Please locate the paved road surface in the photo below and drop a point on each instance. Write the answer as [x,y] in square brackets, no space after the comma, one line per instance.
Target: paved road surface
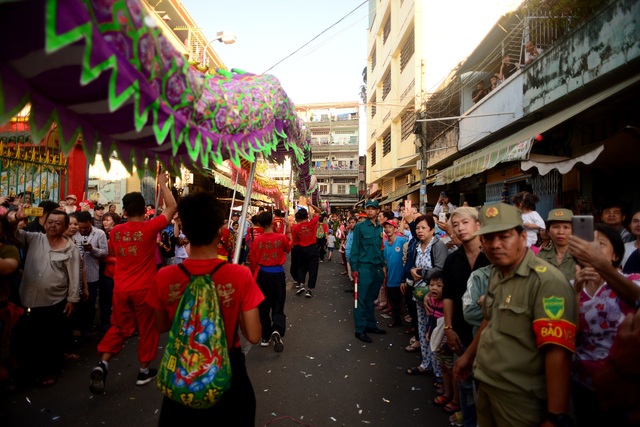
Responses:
[324,377]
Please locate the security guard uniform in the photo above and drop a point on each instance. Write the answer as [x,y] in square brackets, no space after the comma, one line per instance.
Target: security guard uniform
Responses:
[568,264]
[531,307]
[367,258]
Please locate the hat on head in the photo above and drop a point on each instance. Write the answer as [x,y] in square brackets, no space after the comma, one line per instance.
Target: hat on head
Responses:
[71,196]
[391,222]
[362,215]
[498,217]
[98,208]
[372,203]
[560,215]
[234,214]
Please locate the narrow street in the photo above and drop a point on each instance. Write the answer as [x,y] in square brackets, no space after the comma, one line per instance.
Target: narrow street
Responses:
[324,377]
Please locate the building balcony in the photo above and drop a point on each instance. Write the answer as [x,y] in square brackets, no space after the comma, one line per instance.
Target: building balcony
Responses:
[334,148]
[573,71]
[337,172]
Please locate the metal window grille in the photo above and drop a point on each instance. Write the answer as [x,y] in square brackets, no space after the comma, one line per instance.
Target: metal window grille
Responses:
[407,50]
[386,144]
[386,30]
[408,122]
[373,58]
[373,156]
[386,85]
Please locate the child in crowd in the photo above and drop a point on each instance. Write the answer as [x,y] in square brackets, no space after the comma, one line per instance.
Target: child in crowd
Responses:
[331,243]
[239,297]
[443,355]
[269,251]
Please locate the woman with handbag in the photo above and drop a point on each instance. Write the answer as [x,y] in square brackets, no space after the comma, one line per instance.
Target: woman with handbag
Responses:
[426,253]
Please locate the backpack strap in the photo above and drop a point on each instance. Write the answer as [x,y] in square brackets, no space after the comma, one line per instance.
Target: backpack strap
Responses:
[216,268]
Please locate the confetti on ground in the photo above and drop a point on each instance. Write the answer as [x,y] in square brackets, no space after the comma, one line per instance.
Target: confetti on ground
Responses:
[359,411]
[55,418]
[415,388]
[416,409]
[29,401]
[269,371]
[311,357]
[366,422]
[372,364]
[385,400]
[357,405]
[333,419]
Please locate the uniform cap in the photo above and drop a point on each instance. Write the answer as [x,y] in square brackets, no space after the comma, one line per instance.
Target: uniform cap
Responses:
[498,217]
[71,196]
[372,203]
[560,215]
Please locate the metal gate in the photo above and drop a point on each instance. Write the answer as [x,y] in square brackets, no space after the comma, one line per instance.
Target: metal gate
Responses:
[37,169]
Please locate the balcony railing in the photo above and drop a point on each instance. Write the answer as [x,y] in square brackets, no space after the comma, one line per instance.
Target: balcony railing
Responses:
[337,172]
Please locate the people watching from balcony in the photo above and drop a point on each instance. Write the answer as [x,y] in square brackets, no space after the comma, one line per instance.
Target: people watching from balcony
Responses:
[480,92]
[531,52]
[507,68]
[495,81]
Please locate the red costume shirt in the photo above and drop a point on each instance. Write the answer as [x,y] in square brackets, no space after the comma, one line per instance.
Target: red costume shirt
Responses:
[134,246]
[237,291]
[278,225]
[270,249]
[305,232]
[224,249]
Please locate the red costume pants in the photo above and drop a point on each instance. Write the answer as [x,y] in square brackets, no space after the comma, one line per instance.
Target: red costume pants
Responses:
[131,312]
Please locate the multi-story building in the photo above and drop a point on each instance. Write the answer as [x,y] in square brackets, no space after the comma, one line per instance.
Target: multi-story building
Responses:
[565,124]
[335,158]
[394,88]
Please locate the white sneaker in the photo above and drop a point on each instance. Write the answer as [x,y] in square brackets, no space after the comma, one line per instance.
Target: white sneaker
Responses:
[264,342]
[278,346]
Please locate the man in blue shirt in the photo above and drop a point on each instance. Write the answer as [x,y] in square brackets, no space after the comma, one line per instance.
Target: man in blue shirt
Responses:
[393,254]
[367,268]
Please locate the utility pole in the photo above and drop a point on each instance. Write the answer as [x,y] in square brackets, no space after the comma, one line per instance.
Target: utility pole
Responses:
[420,129]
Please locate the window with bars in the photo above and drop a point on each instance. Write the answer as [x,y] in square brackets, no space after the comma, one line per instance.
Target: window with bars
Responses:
[324,188]
[386,30]
[342,189]
[386,144]
[407,50]
[373,105]
[373,58]
[408,123]
[373,156]
[386,85]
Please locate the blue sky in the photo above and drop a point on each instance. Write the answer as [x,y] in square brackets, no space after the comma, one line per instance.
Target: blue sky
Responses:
[329,69]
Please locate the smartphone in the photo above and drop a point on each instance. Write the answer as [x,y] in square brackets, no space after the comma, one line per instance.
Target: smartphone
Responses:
[407,206]
[583,227]
[442,217]
[33,211]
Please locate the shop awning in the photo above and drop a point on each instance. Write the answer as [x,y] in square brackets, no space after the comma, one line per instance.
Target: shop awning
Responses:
[506,150]
[400,193]
[517,146]
[605,156]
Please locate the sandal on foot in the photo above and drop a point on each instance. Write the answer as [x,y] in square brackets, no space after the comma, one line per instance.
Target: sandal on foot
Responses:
[416,371]
[48,381]
[438,382]
[441,400]
[451,408]
[411,348]
[440,391]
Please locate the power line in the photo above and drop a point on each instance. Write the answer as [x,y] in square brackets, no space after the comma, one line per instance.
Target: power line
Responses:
[321,33]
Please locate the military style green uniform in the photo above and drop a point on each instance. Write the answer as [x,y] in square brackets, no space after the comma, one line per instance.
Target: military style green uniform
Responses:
[367,258]
[568,265]
[531,307]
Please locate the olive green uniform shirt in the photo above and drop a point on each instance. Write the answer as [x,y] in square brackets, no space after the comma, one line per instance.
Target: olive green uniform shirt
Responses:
[367,249]
[566,267]
[533,306]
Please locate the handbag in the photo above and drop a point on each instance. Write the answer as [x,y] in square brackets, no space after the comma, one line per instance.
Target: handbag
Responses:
[437,334]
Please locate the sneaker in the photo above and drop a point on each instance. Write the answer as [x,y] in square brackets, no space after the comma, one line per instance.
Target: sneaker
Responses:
[300,291]
[264,342]
[321,261]
[308,294]
[146,378]
[278,346]
[298,285]
[98,377]
[456,419]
